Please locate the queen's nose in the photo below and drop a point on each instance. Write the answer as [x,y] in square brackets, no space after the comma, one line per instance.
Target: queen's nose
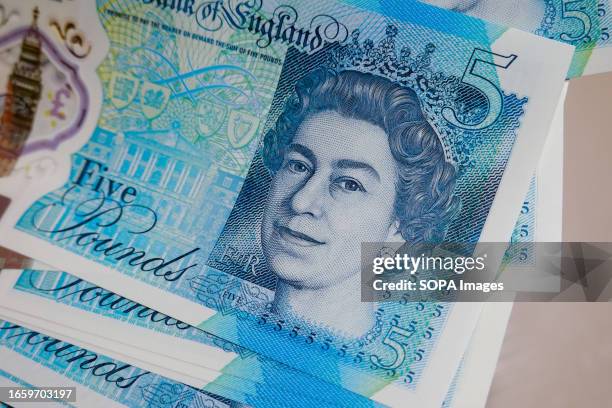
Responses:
[308,198]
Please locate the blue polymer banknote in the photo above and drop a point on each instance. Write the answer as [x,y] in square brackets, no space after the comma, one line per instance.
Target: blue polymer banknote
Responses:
[245,150]
[36,298]
[31,359]
[586,24]
[526,264]
[35,295]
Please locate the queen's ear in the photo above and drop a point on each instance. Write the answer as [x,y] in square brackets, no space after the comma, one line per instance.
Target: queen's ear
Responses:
[394,234]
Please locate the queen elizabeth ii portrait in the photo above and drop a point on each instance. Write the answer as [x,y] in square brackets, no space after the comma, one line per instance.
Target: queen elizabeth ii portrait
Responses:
[352,160]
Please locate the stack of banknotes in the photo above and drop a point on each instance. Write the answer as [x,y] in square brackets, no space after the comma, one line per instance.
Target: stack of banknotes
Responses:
[185,186]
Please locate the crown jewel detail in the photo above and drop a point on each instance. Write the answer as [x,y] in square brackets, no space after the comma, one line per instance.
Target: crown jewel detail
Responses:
[435,90]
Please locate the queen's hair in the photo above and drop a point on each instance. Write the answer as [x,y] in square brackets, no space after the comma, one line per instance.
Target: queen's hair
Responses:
[424,203]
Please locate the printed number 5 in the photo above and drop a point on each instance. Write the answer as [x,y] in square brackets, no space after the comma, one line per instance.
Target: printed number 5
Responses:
[486,86]
[398,348]
[575,14]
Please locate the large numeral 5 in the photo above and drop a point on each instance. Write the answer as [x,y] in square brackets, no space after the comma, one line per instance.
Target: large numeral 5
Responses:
[398,348]
[477,80]
[578,15]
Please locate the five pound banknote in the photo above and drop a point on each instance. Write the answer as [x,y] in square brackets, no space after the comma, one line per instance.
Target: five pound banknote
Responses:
[586,24]
[244,151]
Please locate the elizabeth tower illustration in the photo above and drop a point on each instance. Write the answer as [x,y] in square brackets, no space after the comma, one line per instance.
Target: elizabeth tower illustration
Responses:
[23,91]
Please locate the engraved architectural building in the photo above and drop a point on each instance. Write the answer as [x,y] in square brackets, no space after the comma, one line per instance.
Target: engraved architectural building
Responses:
[24,88]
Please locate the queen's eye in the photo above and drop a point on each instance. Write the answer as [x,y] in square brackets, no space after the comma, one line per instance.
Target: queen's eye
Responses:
[351,185]
[297,166]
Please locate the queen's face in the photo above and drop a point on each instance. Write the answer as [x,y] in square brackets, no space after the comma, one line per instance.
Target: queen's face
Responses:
[334,190]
